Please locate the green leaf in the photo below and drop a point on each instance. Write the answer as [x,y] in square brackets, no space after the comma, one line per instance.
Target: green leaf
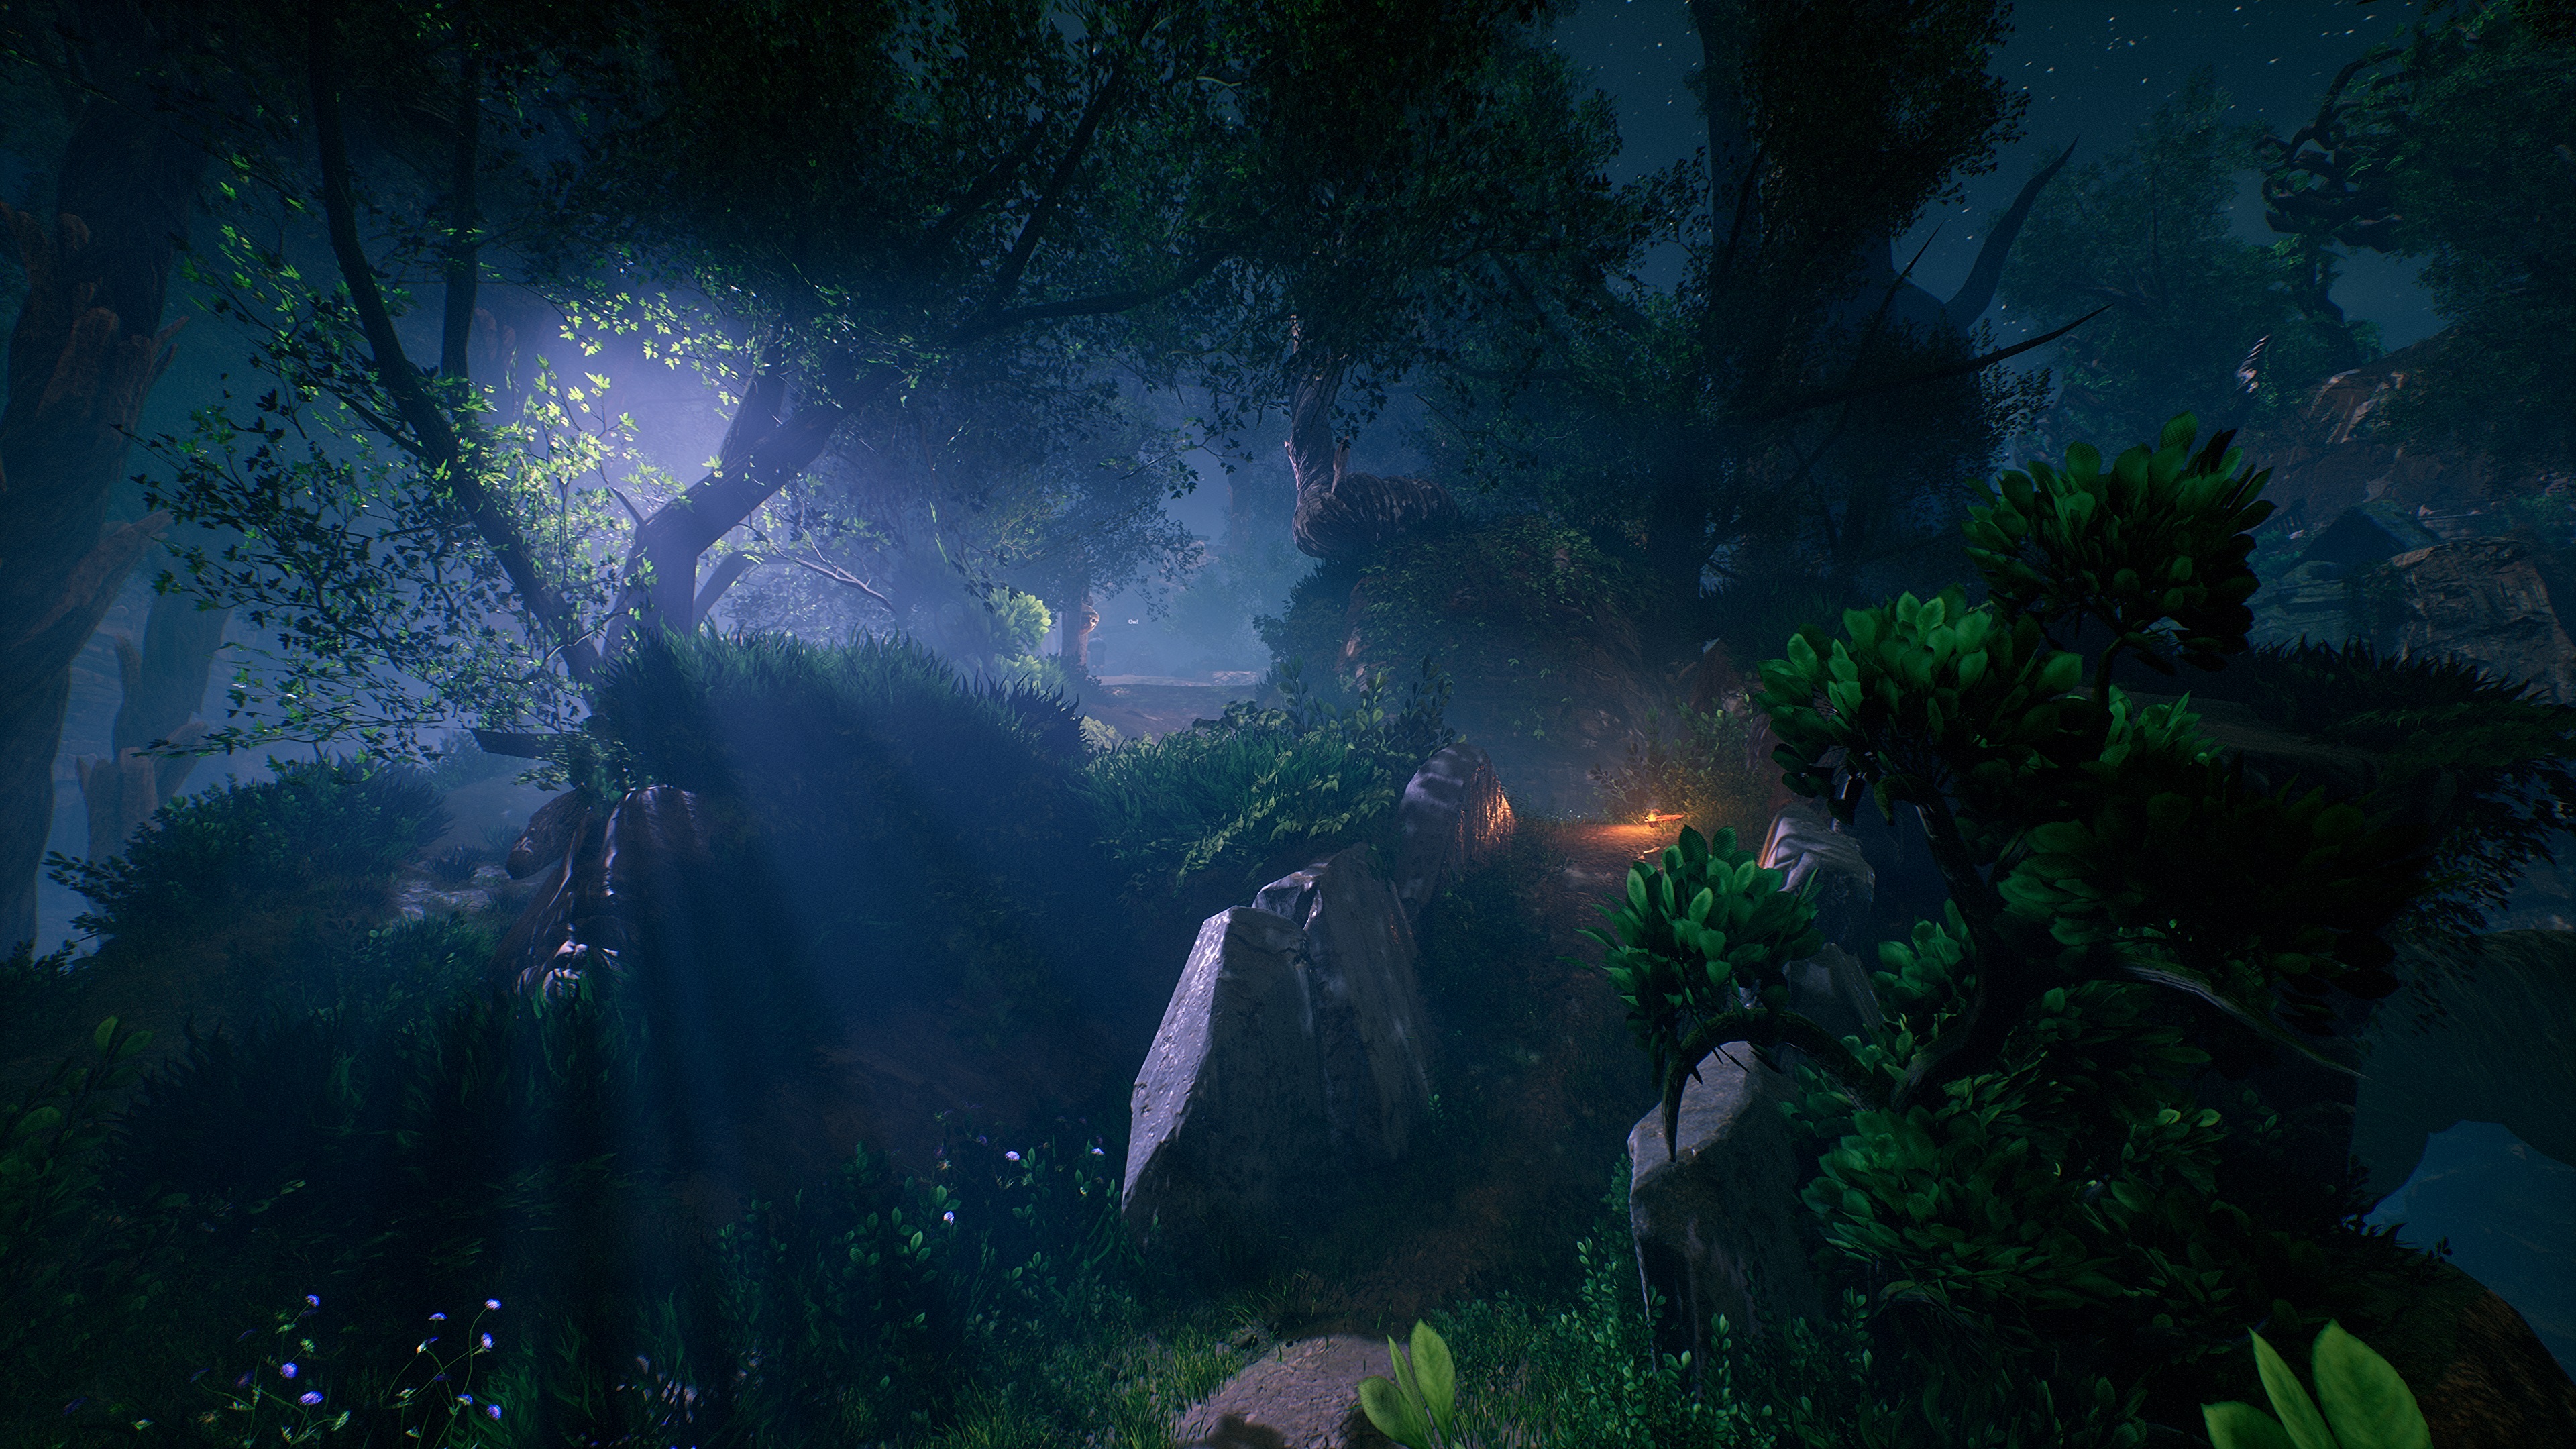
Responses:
[2179,432]
[2299,1417]
[1393,1413]
[106,1032]
[2368,1404]
[2242,1426]
[1436,1374]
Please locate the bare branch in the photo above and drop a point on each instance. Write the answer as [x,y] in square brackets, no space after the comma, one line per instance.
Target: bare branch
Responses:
[1955,369]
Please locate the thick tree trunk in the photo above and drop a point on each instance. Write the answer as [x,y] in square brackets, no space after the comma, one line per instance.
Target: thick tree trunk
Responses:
[1079,622]
[78,375]
[164,681]
[81,358]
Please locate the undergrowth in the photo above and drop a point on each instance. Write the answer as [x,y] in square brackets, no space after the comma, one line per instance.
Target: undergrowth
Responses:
[222,852]
[1705,769]
[1228,795]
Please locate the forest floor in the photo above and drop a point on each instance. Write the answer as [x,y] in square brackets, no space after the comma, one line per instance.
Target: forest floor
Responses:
[1539,1085]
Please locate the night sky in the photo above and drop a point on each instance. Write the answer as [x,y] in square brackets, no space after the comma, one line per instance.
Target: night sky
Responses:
[2094,72]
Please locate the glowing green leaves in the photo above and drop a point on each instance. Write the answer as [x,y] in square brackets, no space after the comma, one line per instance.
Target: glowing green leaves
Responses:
[2366,1405]
[2155,549]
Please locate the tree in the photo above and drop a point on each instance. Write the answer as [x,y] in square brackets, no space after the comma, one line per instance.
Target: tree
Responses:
[2228,328]
[2452,145]
[1719,429]
[2020,1149]
[87,347]
[1041,205]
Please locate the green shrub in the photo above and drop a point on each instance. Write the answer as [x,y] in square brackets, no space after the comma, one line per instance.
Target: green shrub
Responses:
[879,821]
[1534,622]
[1231,794]
[222,853]
[1705,770]
[2018,1167]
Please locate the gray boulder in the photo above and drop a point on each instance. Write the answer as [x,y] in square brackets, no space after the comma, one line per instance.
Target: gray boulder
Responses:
[1292,1053]
[1227,1124]
[1831,988]
[1302,1395]
[1368,1022]
[1453,817]
[1718,1225]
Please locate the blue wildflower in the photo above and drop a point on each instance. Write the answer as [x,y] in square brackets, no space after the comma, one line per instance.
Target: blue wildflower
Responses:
[494,1410]
[1011,1156]
[308,1398]
[492,1303]
[438,1318]
[286,1370]
[487,1340]
[312,1302]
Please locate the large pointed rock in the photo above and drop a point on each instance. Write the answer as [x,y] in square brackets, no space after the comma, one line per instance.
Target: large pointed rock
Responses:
[1293,1055]
[1227,1131]
[1369,1023]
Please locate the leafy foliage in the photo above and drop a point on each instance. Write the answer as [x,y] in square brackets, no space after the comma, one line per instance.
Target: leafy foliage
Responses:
[2491,753]
[2365,1404]
[57,1253]
[1705,771]
[1418,1408]
[1534,623]
[2161,537]
[2447,145]
[224,850]
[1697,936]
[2022,1149]
[2146,230]
[1232,793]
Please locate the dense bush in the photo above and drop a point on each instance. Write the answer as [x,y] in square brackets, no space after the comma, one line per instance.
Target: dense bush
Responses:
[222,852]
[417,1145]
[1705,769]
[1535,624]
[1231,794]
[878,819]
[2022,1169]
[2488,758]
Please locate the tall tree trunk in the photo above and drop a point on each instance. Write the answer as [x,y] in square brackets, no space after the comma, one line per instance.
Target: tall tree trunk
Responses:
[1079,622]
[84,353]
[165,681]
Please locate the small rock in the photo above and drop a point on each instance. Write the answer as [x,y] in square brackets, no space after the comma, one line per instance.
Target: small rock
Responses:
[1303,1396]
